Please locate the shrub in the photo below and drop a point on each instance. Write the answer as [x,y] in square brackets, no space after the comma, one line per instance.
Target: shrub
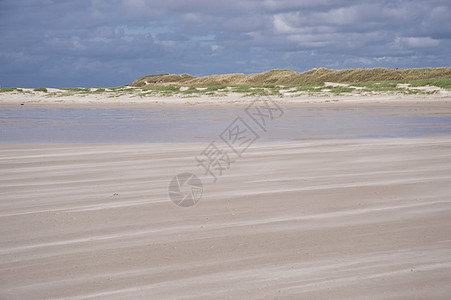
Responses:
[5,90]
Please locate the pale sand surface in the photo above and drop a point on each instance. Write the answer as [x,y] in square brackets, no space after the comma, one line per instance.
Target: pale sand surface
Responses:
[356,219]
[387,100]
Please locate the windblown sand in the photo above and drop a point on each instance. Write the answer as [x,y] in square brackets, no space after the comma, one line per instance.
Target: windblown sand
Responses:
[357,219]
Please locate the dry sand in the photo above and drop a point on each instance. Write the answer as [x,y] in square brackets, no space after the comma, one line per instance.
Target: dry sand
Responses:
[358,219]
[40,99]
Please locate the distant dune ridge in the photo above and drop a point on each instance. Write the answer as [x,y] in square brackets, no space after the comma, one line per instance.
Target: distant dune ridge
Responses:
[292,77]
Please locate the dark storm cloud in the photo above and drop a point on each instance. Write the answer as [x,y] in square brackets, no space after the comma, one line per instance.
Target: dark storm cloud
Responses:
[105,43]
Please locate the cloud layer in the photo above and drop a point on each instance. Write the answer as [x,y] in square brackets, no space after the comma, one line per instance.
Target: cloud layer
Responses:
[109,43]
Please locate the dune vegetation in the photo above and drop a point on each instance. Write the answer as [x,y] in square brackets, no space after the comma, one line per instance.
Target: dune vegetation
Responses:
[281,83]
[289,77]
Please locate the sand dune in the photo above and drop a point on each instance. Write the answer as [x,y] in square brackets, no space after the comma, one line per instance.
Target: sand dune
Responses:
[357,219]
[292,77]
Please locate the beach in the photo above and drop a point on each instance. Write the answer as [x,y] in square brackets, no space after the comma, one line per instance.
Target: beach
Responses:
[225,150]
[349,218]
[318,220]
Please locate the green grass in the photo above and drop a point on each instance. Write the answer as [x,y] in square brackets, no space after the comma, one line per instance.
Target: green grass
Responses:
[83,91]
[7,90]
[41,90]
[161,88]
[337,90]
[216,88]
[444,83]
[391,86]
[98,91]
[379,86]
[192,90]
[74,89]
[257,92]
[250,90]
[309,86]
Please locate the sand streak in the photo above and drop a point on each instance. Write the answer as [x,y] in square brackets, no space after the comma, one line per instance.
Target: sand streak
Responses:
[358,219]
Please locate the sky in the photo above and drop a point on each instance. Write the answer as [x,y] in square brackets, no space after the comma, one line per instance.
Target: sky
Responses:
[51,43]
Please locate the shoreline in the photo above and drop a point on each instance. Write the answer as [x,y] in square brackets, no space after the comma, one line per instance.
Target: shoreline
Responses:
[439,101]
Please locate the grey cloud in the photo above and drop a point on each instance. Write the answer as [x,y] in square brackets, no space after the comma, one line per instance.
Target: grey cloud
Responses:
[99,42]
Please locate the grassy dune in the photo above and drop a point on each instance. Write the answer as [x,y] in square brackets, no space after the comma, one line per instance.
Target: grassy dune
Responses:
[288,77]
[283,83]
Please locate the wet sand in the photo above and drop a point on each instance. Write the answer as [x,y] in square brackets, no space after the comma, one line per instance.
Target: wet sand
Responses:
[355,219]
[30,125]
